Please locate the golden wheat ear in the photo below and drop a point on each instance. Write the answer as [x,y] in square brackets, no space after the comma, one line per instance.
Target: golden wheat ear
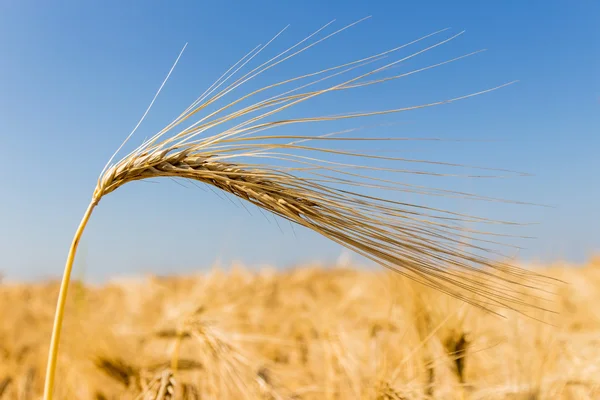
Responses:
[348,196]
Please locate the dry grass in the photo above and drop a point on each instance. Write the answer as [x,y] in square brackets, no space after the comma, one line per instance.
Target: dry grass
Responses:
[307,333]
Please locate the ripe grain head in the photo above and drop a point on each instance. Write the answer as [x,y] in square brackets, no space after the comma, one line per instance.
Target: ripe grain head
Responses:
[342,194]
[303,179]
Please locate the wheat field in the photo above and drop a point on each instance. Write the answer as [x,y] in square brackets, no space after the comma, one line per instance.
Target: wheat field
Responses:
[311,332]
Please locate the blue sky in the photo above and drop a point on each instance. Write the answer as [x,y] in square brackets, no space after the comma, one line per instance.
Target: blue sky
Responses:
[76,76]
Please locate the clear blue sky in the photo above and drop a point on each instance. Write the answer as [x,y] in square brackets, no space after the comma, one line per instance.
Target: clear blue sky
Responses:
[76,76]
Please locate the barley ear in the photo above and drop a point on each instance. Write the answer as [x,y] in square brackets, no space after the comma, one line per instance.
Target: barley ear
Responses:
[323,195]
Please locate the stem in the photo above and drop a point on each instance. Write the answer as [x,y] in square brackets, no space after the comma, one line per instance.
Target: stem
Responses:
[60,306]
[175,355]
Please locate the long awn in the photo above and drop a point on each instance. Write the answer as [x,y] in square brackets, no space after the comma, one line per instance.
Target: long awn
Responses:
[284,174]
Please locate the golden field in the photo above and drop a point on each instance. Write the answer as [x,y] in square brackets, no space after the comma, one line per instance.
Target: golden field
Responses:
[312,332]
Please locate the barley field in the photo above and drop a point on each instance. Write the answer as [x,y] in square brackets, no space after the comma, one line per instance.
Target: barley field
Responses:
[311,332]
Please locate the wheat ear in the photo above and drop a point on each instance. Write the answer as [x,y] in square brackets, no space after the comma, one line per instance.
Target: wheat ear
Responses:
[320,194]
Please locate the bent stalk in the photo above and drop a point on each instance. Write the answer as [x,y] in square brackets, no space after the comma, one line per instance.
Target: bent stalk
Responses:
[60,306]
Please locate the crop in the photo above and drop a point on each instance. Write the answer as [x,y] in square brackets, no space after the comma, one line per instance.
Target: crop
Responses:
[301,178]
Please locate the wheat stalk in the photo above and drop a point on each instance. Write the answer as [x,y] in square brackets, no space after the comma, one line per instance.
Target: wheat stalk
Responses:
[321,194]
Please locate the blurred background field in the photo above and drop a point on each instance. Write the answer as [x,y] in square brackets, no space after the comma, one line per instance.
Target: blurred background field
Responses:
[311,332]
